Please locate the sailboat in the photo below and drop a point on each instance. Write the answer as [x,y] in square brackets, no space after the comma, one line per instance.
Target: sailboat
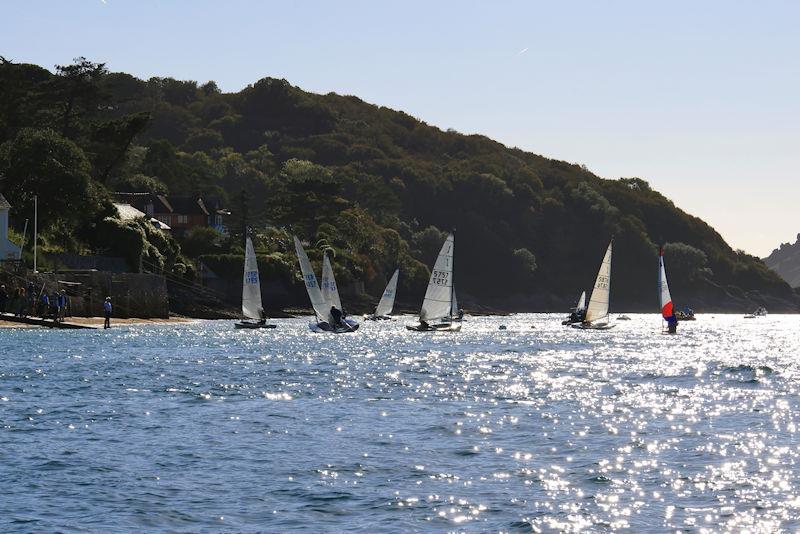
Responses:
[440,303]
[385,305]
[577,313]
[664,297]
[252,310]
[596,317]
[322,300]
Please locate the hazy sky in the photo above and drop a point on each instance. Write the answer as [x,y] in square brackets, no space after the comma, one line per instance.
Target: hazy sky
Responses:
[702,99]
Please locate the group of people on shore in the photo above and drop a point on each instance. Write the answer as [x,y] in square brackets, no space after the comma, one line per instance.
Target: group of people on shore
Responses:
[26,301]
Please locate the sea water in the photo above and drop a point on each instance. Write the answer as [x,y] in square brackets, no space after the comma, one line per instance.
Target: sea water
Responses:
[204,428]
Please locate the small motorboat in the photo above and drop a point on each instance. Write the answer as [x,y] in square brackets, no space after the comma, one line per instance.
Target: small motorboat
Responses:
[760,312]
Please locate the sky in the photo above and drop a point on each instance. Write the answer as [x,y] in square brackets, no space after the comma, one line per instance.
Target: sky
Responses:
[701,99]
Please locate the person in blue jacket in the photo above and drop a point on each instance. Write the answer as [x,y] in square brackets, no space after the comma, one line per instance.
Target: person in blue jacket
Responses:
[107,312]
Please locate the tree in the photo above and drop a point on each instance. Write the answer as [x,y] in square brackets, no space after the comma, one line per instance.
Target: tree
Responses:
[523,265]
[427,244]
[44,163]
[140,183]
[311,195]
[78,92]
[684,260]
[109,142]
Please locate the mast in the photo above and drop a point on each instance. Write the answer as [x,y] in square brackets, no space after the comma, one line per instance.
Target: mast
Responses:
[24,238]
[35,229]
[453,275]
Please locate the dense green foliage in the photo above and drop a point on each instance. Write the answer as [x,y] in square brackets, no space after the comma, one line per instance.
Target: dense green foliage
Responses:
[375,186]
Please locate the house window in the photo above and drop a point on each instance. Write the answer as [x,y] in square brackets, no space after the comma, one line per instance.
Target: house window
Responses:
[166,219]
[183,219]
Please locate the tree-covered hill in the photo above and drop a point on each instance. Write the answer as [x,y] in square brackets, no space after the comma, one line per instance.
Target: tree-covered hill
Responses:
[376,186]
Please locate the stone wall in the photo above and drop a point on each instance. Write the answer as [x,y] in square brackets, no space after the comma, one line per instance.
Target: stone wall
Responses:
[132,294]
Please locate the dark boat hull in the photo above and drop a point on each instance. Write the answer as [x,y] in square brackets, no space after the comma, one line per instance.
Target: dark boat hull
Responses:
[378,318]
[590,326]
[443,327]
[325,327]
[245,325]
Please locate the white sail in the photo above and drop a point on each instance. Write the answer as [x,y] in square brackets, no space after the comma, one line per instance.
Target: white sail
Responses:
[439,296]
[664,298]
[330,292]
[310,279]
[598,303]
[387,299]
[454,304]
[251,285]
[581,302]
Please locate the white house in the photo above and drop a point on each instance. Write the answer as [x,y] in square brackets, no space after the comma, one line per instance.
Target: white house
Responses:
[8,250]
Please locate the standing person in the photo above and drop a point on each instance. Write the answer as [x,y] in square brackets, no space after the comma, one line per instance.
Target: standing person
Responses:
[62,305]
[55,311]
[21,302]
[107,312]
[30,294]
[3,298]
[44,305]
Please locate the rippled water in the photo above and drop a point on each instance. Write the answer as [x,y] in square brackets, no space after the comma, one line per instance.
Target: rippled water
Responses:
[201,427]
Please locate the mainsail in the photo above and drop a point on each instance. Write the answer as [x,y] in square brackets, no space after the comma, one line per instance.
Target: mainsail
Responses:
[310,279]
[387,299]
[330,292]
[251,286]
[598,303]
[439,296]
[664,298]
[581,302]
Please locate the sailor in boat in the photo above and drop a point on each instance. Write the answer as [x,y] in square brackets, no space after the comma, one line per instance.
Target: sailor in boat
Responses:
[460,315]
[672,324]
[337,316]
[575,316]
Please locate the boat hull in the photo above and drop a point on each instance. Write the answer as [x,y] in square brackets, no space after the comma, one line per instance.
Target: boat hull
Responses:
[442,327]
[591,326]
[378,318]
[324,327]
[246,325]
